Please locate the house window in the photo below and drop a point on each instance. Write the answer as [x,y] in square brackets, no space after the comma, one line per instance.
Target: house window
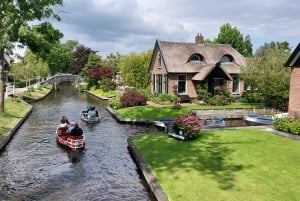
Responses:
[158,83]
[181,84]
[159,60]
[226,59]
[235,84]
[196,58]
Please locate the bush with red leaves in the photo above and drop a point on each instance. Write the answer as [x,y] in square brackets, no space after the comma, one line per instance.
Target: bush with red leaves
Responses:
[132,98]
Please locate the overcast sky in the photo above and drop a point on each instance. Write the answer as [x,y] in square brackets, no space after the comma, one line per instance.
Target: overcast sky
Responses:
[126,26]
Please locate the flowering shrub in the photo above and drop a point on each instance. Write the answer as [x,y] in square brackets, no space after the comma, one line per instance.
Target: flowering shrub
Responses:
[190,126]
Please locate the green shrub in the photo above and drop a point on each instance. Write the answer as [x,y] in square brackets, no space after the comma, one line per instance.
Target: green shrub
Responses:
[282,124]
[295,127]
[115,102]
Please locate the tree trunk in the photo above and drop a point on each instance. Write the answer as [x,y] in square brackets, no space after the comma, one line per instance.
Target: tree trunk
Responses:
[2,80]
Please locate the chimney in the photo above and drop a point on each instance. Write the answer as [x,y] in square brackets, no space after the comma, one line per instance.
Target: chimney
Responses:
[199,39]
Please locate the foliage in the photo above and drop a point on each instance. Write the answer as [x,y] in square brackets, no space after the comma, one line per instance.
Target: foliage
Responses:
[287,125]
[266,74]
[94,60]
[60,57]
[15,17]
[189,124]
[164,99]
[231,35]
[132,98]
[113,60]
[134,69]
[115,102]
[107,85]
[40,38]
[202,92]
[102,93]
[29,70]
[79,58]
[252,97]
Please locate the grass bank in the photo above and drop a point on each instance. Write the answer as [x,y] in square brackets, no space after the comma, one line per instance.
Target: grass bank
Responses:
[158,112]
[234,164]
[15,108]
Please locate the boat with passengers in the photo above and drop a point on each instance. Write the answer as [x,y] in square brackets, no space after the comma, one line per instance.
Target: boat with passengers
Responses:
[69,139]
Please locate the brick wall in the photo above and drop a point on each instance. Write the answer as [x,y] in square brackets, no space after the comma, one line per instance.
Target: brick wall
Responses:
[294,96]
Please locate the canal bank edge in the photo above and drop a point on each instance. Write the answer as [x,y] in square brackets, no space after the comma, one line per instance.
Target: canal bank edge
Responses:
[143,167]
[146,171]
[8,135]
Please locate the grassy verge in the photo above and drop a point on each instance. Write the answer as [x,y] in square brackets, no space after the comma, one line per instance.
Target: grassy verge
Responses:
[233,164]
[14,110]
[36,93]
[154,112]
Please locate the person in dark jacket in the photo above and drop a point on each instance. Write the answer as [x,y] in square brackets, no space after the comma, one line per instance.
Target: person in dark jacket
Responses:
[76,131]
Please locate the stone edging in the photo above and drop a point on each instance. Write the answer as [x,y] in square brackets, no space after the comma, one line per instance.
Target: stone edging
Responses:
[288,135]
[6,140]
[146,172]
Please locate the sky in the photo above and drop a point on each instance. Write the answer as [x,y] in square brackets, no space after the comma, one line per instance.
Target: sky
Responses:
[126,26]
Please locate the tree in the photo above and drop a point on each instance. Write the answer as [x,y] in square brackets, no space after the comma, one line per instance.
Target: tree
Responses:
[231,35]
[265,72]
[60,57]
[14,18]
[135,69]
[79,58]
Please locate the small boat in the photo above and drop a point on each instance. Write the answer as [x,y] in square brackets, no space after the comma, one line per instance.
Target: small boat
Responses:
[214,122]
[90,115]
[163,124]
[258,120]
[73,142]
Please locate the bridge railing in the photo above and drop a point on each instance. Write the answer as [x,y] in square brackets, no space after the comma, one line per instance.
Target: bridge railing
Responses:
[60,77]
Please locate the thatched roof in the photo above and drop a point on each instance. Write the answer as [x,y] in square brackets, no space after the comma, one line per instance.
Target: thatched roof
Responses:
[176,56]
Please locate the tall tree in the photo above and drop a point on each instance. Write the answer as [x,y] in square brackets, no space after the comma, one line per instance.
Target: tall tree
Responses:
[231,35]
[265,72]
[60,57]
[79,58]
[134,69]
[14,17]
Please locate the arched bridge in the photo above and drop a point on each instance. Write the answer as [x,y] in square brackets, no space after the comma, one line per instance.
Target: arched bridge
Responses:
[61,77]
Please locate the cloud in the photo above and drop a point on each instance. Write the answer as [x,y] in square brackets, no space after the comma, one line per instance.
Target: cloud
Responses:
[110,26]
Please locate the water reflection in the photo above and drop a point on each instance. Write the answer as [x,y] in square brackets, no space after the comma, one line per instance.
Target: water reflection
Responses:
[35,167]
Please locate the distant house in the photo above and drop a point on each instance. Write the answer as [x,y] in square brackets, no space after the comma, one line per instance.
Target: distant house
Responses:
[294,96]
[178,68]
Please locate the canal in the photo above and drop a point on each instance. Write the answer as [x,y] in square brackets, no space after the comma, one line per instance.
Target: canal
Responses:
[34,167]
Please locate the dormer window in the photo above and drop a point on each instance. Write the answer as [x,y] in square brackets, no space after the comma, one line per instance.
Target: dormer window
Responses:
[196,58]
[226,59]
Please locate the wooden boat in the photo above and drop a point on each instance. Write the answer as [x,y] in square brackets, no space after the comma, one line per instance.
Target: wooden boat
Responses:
[258,120]
[90,115]
[214,123]
[73,142]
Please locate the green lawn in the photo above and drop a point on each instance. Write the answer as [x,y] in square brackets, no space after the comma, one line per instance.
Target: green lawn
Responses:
[14,110]
[233,164]
[156,113]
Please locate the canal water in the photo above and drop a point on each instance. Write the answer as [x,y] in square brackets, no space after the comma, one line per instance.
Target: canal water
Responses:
[34,167]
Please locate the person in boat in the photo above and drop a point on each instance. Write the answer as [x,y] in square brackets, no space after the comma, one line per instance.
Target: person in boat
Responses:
[72,125]
[86,111]
[64,118]
[92,114]
[62,128]
[76,131]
